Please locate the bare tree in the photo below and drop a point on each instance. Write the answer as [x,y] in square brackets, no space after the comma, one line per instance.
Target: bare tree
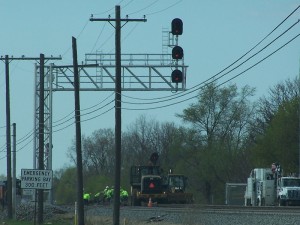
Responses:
[97,152]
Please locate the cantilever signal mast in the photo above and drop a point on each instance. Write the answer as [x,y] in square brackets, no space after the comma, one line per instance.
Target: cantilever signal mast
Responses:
[118,88]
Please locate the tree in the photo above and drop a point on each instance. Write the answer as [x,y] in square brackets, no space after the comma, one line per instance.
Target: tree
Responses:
[277,127]
[220,120]
[144,137]
[278,95]
[65,186]
[140,140]
[97,152]
[279,142]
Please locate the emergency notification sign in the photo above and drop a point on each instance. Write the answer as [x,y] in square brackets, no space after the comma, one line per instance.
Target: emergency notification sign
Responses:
[36,179]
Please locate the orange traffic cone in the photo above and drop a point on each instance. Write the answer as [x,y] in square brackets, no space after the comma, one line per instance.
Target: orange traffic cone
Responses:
[150,203]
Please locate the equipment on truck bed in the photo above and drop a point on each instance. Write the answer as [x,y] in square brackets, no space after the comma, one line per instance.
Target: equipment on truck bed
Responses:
[267,187]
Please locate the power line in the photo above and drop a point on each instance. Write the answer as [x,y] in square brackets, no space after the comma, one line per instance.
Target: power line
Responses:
[83,28]
[110,9]
[215,78]
[30,133]
[212,77]
[148,14]
[82,110]
[239,74]
[59,124]
[148,6]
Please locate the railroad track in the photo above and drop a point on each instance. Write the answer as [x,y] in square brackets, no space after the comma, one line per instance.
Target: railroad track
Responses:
[195,208]
[203,214]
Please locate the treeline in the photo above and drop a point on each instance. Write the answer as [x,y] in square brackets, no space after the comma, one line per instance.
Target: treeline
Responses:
[224,134]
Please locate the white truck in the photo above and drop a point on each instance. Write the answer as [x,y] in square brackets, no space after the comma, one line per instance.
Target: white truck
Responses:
[267,187]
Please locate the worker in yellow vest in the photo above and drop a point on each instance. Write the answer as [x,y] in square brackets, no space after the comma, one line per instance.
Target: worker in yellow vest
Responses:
[86,198]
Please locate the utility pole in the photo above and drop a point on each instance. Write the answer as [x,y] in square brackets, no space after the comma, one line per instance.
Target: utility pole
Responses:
[8,142]
[7,60]
[118,128]
[78,137]
[14,199]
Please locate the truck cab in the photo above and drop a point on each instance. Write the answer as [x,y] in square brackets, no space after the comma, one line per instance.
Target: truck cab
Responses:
[175,183]
[288,191]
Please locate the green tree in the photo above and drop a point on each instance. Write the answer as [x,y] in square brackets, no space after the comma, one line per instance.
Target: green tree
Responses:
[220,121]
[277,127]
[279,143]
[65,186]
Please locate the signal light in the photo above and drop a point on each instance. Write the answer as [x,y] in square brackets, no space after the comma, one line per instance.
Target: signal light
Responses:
[154,157]
[177,52]
[177,76]
[177,26]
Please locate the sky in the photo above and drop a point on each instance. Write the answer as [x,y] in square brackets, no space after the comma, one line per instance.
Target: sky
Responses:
[215,34]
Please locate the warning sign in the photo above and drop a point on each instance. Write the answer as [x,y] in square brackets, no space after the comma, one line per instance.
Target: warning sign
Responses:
[36,179]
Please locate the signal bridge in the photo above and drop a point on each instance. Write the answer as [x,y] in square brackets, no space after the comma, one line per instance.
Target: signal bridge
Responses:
[140,72]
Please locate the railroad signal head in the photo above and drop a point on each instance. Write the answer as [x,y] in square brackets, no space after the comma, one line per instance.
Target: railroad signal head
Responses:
[177,52]
[177,76]
[154,157]
[177,26]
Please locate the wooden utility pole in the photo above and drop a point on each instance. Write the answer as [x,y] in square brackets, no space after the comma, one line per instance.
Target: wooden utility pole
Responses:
[8,142]
[78,137]
[14,172]
[118,128]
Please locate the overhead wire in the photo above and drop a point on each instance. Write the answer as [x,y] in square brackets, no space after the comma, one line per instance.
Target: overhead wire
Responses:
[213,76]
[59,124]
[108,10]
[19,149]
[82,110]
[98,38]
[261,59]
[201,82]
[84,27]
[162,10]
[140,10]
[239,74]
[123,7]
[54,131]
[19,141]
[30,133]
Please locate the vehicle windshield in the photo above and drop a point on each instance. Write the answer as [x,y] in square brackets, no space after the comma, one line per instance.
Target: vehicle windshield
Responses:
[176,181]
[291,182]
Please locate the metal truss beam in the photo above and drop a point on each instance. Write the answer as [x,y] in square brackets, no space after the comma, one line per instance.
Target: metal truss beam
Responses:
[140,72]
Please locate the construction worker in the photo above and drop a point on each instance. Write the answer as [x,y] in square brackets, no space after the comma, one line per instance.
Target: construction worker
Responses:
[105,193]
[97,197]
[86,198]
[123,195]
[110,193]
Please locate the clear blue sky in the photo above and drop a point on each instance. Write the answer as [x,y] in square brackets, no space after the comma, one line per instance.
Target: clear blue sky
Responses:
[216,33]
